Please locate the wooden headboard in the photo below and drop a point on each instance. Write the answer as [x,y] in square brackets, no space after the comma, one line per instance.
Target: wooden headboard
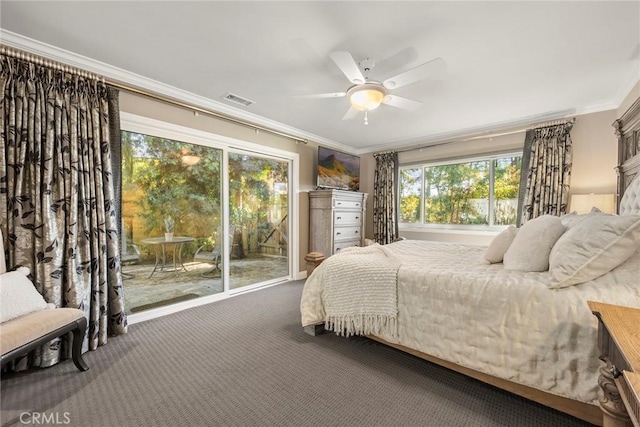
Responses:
[627,129]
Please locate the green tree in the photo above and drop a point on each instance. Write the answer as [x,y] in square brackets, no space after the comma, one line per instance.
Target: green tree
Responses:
[252,196]
[506,187]
[155,169]
[452,193]
[410,183]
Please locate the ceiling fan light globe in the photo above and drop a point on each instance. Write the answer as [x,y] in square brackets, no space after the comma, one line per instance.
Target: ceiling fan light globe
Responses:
[366,97]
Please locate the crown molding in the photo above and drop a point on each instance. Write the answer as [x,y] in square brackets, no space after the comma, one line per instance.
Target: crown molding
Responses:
[127,78]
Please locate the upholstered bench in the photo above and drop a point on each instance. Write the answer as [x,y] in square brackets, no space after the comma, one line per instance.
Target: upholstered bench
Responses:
[25,333]
[27,321]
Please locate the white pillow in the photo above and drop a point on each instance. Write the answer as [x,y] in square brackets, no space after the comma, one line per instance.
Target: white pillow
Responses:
[18,296]
[593,247]
[572,219]
[499,245]
[530,249]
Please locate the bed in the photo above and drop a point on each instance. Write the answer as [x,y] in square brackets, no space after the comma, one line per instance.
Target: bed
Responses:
[503,327]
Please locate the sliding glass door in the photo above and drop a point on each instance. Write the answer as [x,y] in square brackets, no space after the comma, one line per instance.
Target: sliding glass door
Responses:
[258,218]
[171,221]
[199,220]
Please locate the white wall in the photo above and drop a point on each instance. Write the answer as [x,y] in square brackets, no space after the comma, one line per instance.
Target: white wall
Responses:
[595,154]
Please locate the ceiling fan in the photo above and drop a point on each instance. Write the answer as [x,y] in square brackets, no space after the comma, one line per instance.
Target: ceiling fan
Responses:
[367,94]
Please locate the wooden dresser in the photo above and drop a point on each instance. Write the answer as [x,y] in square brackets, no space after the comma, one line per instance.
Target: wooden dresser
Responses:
[619,344]
[336,220]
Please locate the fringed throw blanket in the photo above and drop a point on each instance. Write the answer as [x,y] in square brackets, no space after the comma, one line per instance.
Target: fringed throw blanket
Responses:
[360,291]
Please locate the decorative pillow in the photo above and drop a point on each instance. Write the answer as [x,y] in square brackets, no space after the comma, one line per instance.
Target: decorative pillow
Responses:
[572,219]
[593,247]
[530,249]
[18,296]
[499,245]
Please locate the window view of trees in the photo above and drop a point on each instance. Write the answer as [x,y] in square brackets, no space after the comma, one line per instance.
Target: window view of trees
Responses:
[460,193]
[410,189]
[506,188]
[163,178]
[259,202]
[457,194]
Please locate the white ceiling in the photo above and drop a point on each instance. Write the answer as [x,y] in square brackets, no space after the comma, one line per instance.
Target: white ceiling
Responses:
[508,63]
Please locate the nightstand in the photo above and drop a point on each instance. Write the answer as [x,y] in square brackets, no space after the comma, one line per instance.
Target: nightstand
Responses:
[619,344]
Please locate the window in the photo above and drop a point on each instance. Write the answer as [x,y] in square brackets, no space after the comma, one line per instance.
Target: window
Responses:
[479,191]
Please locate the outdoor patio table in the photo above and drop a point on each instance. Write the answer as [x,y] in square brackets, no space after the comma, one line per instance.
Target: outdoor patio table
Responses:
[160,244]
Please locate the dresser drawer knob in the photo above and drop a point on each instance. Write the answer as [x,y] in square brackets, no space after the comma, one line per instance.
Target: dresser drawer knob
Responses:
[338,233]
[339,217]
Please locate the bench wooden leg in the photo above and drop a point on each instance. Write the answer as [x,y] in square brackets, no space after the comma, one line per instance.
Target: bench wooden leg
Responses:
[78,337]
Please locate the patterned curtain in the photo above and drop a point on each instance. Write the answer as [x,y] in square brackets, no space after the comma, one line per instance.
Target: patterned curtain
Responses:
[57,205]
[385,224]
[549,171]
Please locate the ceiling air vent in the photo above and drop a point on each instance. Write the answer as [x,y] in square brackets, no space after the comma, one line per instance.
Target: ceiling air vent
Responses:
[238,99]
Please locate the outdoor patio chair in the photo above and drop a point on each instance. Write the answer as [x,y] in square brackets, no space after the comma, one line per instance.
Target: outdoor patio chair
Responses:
[213,256]
[130,253]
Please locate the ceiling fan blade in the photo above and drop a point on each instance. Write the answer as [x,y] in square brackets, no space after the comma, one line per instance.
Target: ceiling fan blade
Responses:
[322,95]
[400,102]
[348,66]
[351,113]
[435,67]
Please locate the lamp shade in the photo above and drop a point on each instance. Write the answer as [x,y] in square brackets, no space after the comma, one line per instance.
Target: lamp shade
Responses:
[583,203]
[366,97]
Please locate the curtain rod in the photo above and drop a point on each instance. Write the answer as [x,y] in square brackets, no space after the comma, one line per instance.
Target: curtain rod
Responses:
[496,134]
[553,123]
[530,127]
[26,56]
[39,60]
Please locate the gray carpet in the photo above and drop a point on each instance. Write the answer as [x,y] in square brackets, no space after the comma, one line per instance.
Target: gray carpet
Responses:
[245,361]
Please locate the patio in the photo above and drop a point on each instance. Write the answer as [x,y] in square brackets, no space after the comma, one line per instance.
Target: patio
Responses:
[169,287]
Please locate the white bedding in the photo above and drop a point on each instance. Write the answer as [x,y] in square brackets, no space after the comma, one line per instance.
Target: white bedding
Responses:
[453,305]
